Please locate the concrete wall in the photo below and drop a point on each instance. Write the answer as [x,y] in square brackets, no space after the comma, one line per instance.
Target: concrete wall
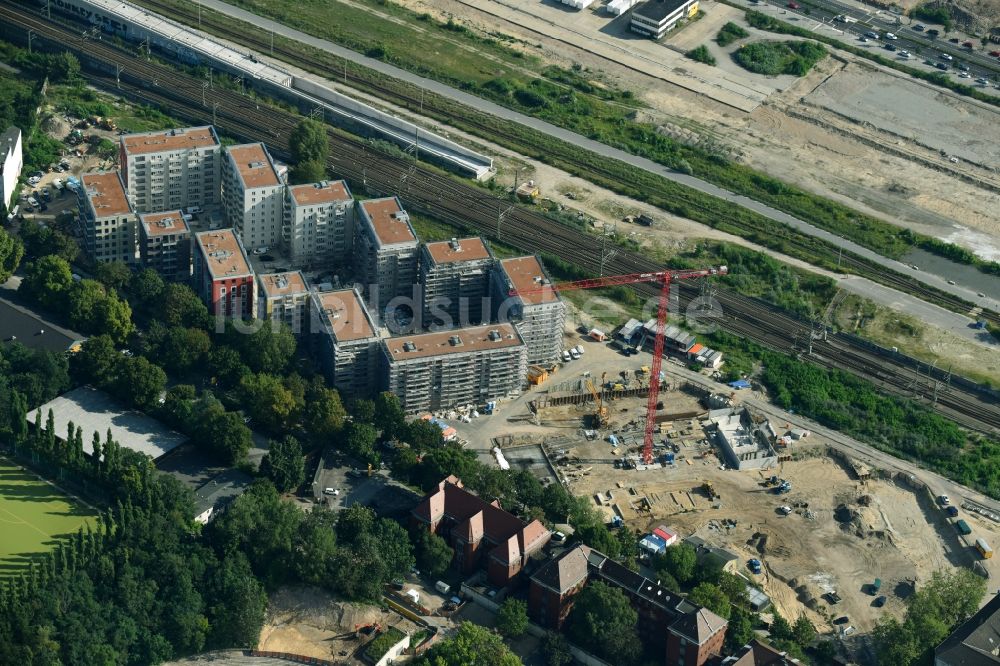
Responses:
[394,651]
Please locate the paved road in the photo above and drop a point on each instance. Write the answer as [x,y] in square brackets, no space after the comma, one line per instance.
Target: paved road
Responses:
[902,26]
[589,144]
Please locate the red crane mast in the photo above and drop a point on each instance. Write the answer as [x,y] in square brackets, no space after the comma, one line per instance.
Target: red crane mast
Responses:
[665,278]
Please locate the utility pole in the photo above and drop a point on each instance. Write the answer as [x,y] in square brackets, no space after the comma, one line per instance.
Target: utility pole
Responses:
[204,87]
[118,75]
[272,41]
[199,14]
[30,36]
[215,105]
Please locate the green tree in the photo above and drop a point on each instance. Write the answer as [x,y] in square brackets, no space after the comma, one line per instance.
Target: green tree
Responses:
[309,141]
[269,401]
[146,288]
[267,349]
[423,435]
[184,349]
[180,306]
[472,645]
[324,413]
[603,621]
[555,648]
[433,553]
[359,441]
[47,281]
[316,547]
[64,67]
[113,316]
[178,406]
[712,598]
[238,615]
[11,253]
[84,297]
[389,416]
[96,362]
[512,618]
[114,275]
[139,382]
[309,171]
[740,629]
[284,464]
[679,561]
[804,632]
[222,433]
[226,365]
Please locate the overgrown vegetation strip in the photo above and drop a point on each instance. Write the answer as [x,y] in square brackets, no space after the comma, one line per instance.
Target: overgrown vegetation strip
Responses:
[566,99]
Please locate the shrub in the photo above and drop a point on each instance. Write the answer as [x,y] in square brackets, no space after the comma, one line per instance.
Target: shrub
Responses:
[773,58]
[729,34]
[939,14]
[701,54]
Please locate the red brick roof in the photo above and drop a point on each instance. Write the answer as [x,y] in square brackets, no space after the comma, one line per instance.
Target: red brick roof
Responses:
[475,516]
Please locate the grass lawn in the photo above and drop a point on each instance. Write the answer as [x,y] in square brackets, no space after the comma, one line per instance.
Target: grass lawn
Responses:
[33,515]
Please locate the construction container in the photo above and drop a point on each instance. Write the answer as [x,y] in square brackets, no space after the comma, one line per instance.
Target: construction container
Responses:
[598,334]
[963,527]
[984,549]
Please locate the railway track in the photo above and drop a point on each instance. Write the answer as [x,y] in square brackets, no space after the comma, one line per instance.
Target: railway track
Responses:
[263,43]
[466,206]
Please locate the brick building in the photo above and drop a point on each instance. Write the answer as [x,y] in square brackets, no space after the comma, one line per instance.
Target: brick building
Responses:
[222,275]
[758,653]
[454,281]
[687,634]
[482,534]
[165,244]
[172,168]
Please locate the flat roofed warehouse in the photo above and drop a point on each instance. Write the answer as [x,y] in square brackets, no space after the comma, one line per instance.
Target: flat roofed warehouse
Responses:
[161,224]
[106,193]
[169,140]
[254,166]
[458,341]
[389,221]
[96,411]
[223,254]
[320,193]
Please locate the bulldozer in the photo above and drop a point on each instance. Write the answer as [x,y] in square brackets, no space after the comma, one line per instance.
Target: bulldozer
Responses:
[710,491]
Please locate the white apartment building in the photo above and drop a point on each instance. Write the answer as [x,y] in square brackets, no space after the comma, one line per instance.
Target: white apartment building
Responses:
[319,223]
[107,219]
[165,244]
[284,297]
[439,370]
[171,169]
[347,341]
[253,195]
[386,252]
[11,163]
[454,281]
[538,315]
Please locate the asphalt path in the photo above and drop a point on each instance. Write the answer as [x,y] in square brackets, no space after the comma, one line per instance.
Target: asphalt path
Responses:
[594,146]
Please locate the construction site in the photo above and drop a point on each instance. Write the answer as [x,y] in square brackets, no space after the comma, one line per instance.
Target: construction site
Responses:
[836,536]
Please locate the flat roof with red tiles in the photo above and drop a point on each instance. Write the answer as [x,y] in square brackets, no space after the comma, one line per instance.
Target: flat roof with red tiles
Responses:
[159,224]
[474,518]
[169,140]
[345,314]
[389,221]
[320,193]
[282,284]
[526,274]
[106,193]
[222,254]
[455,341]
[460,249]
[254,165]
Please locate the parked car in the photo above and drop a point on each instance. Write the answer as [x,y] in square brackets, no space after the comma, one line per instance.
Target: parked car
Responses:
[944,500]
[962,66]
[879,601]
[754,566]
[890,47]
[871,35]
[995,54]
[793,5]
[942,66]
[933,33]
[843,619]
[784,510]
[919,27]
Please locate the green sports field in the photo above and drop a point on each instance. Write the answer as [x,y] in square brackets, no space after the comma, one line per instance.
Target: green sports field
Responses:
[33,515]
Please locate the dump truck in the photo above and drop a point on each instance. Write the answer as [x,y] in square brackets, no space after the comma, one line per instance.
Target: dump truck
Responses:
[710,491]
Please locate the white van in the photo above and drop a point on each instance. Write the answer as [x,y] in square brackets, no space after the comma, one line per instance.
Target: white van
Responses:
[574,354]
[579,349]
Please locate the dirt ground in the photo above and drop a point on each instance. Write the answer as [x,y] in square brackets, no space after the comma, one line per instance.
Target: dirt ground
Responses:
[804,143]
[309,622]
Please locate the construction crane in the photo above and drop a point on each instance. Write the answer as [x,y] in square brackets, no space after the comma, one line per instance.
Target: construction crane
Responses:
[664,278]
[600,411]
